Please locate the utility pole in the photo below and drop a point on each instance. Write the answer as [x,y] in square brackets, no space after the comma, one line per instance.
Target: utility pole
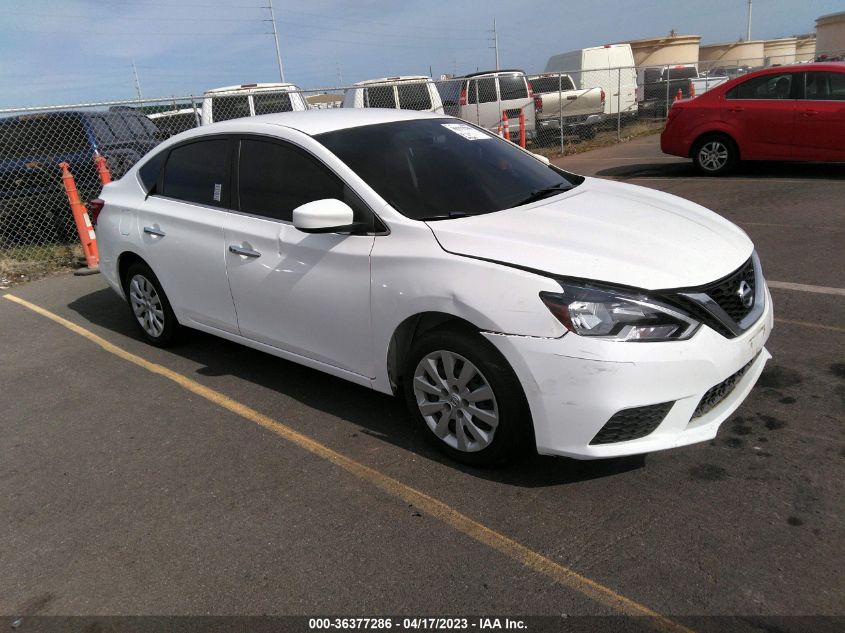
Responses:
[495,40]
[748,29]
[137,82]
[276,37]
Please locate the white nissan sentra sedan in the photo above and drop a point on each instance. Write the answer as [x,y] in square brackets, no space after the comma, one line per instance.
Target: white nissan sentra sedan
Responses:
[511,303]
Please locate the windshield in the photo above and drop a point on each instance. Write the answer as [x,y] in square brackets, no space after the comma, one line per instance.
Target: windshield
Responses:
[441,168]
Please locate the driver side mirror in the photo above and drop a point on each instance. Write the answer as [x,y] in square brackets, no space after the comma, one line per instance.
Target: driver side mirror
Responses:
[326,216]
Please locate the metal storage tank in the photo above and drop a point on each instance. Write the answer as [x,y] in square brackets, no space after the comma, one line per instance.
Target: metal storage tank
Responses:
[780,50]
[830,33]
[739,53]
[661,51]
[805,49]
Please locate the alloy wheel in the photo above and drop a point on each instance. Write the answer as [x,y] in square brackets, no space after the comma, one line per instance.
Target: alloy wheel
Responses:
[456,401]
[146,304]
[713,155]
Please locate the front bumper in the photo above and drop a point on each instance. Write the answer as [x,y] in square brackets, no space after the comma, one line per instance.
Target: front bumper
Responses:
[575,384]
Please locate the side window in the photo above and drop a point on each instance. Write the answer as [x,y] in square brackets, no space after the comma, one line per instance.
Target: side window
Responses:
[274,179]
[138,130]
[776,86]
[267,103]
[198,172]
[482,90]
[414,96]
[149,172]
[227,108]
[825,86]
[512,87]
[379,97]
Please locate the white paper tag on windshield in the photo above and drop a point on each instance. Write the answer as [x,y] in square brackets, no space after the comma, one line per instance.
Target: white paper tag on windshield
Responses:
[467,131]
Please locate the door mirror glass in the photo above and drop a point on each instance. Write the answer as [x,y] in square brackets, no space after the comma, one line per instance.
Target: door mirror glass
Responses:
[324,216]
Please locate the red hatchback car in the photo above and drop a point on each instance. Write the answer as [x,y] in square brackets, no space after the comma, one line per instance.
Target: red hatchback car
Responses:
[793,113]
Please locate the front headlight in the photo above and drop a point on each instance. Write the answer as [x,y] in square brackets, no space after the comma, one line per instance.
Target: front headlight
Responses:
[617,315]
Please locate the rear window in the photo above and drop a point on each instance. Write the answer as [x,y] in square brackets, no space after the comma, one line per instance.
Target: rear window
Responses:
[688,72]
[40,135]
[541,85]
[513,87]
[268,103]
[231,107]
[482,90]
[379,97]
[414,96]
[198,172]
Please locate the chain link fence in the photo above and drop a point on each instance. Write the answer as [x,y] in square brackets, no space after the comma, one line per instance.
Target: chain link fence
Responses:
[547,112]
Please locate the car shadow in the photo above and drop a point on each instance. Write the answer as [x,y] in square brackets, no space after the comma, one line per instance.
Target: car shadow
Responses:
[378,415]
[761,170]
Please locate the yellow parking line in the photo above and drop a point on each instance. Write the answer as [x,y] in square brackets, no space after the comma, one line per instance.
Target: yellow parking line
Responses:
[431,506]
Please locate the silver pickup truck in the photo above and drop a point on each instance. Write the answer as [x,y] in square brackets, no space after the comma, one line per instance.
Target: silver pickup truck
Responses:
[557,101]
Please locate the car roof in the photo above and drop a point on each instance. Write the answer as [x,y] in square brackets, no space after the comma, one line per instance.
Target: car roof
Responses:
[494,72]
[392,80]
[313,122]
[253,88]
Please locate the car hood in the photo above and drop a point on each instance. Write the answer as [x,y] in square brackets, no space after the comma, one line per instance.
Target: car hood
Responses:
[605,231]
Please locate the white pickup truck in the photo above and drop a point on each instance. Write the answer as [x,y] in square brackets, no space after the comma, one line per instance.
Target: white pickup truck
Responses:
[557,100]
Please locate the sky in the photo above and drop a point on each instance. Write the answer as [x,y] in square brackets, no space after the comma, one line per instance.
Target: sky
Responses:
[82,51]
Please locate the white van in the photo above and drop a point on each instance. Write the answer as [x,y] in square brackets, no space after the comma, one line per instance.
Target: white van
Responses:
[484,96]
[234,102]
[610,67]
[412,92]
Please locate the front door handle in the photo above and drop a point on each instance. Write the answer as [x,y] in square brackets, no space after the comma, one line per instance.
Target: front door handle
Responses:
[246,252]
[151,230]
[736,109]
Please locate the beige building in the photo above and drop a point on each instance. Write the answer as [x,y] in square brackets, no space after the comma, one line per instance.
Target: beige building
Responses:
[805,48]
[750,53]
[780,50]
[660,51]
[830,33]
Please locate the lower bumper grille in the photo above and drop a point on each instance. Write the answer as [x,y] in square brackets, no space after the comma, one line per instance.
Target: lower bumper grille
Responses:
[721,391]
[632,424]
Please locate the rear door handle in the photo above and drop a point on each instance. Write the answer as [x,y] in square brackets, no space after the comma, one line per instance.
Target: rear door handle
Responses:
[736,109]
[811,112]
[154,231]
[246,252]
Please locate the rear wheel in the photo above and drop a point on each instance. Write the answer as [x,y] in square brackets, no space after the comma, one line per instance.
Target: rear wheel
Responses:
[149,306]
[466,397]
[715,155]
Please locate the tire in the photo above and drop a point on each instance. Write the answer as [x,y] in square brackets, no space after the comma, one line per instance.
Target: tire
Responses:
[478,432]
[715,155]
[149,306]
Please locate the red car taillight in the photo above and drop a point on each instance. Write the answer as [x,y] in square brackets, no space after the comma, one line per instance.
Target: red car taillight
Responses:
[602,96]
[94,208]
[462,100]
[538,104]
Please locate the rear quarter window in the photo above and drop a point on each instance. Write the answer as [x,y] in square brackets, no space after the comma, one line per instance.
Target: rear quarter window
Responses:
[149,172]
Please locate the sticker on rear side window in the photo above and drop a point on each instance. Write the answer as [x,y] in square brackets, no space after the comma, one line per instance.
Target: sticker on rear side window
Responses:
[467,131]
[218,189]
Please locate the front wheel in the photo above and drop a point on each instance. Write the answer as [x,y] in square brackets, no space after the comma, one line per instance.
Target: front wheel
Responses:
[715,155]
[467,398]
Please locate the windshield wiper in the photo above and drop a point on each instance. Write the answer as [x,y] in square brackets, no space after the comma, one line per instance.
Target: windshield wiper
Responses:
[446,216]
[539,194]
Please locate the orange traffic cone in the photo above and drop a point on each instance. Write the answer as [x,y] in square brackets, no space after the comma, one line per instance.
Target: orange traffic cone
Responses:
[83,222]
